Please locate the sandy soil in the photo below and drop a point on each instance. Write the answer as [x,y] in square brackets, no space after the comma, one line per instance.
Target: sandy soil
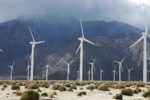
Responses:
[7,94]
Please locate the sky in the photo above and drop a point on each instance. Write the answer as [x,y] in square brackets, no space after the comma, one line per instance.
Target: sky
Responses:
[128,11]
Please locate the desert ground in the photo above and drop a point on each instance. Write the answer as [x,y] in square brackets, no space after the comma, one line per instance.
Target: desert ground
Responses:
[72,90]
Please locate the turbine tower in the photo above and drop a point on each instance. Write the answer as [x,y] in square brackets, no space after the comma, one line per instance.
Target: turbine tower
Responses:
[114,74]
[92,68]
[47,67]
[78,75]
[11,70]
[101,73]
[82,39]
[120,67]
[129,71]
[28,71]
[89,74]
[144,37]
[33,43]
[68,69]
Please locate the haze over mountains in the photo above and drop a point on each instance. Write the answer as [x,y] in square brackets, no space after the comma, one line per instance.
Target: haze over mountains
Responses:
[112,41]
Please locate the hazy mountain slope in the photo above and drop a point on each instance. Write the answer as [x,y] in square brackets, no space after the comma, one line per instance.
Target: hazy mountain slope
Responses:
[112,43]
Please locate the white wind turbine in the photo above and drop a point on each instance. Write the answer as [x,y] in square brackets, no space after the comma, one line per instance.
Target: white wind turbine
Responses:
[129,72]
[144,37]
[89,74]
[101,74]
[33,43]
[11,70]
[120,67]
[68,69]
[28,71]
[47,67]
[114,74]
[82,39]
[92,68]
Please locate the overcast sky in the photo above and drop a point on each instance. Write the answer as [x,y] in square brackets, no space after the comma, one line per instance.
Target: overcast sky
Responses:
[127,11]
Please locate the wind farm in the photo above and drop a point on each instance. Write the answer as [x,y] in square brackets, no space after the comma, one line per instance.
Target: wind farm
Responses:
[48,53]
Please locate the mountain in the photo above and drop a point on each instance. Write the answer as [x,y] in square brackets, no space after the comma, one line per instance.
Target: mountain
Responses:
[112,41]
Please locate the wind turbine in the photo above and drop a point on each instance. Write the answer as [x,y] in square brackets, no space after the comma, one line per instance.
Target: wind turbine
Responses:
[82,39]
[114,74]
[47,67]
[129,71]
[101,73]
[120,67]
[92,68]
[144,37]
[33,43]
[28,71]
[89,74]
[68,69]
[11,70]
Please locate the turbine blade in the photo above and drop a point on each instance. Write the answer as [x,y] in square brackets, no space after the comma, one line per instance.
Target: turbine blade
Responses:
[39,42]
[32,35]
[65,62]
[71,61]
[88,41]
[117,62]
[148,58]
[81,28]
[13,63]
[123,59]
[94,60]
[146,26]
[148,71]
[78,48]
[50,68]
[1,50]
[136,42]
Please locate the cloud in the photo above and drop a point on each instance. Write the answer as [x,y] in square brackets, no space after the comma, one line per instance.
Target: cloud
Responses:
[121,10]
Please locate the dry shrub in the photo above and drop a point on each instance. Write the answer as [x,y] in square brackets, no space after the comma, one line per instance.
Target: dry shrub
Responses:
[30,95]
[103,87]
[51,95]
[127,92]
[33,86]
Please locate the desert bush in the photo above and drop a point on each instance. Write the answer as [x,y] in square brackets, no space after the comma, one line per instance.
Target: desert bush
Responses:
[18,93]
[15,87]
[33,86]
[5,86]
[140,85]
[55,87]
[68,85]
[127,92]
[70,89]
[118,97]
[45,85]
[51,95]
[137,90]
[62,88]
[39,90]
[81,93]
[30,95]
[104,88]
[74,87]
[91,87]
[44,94]
[146,94]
